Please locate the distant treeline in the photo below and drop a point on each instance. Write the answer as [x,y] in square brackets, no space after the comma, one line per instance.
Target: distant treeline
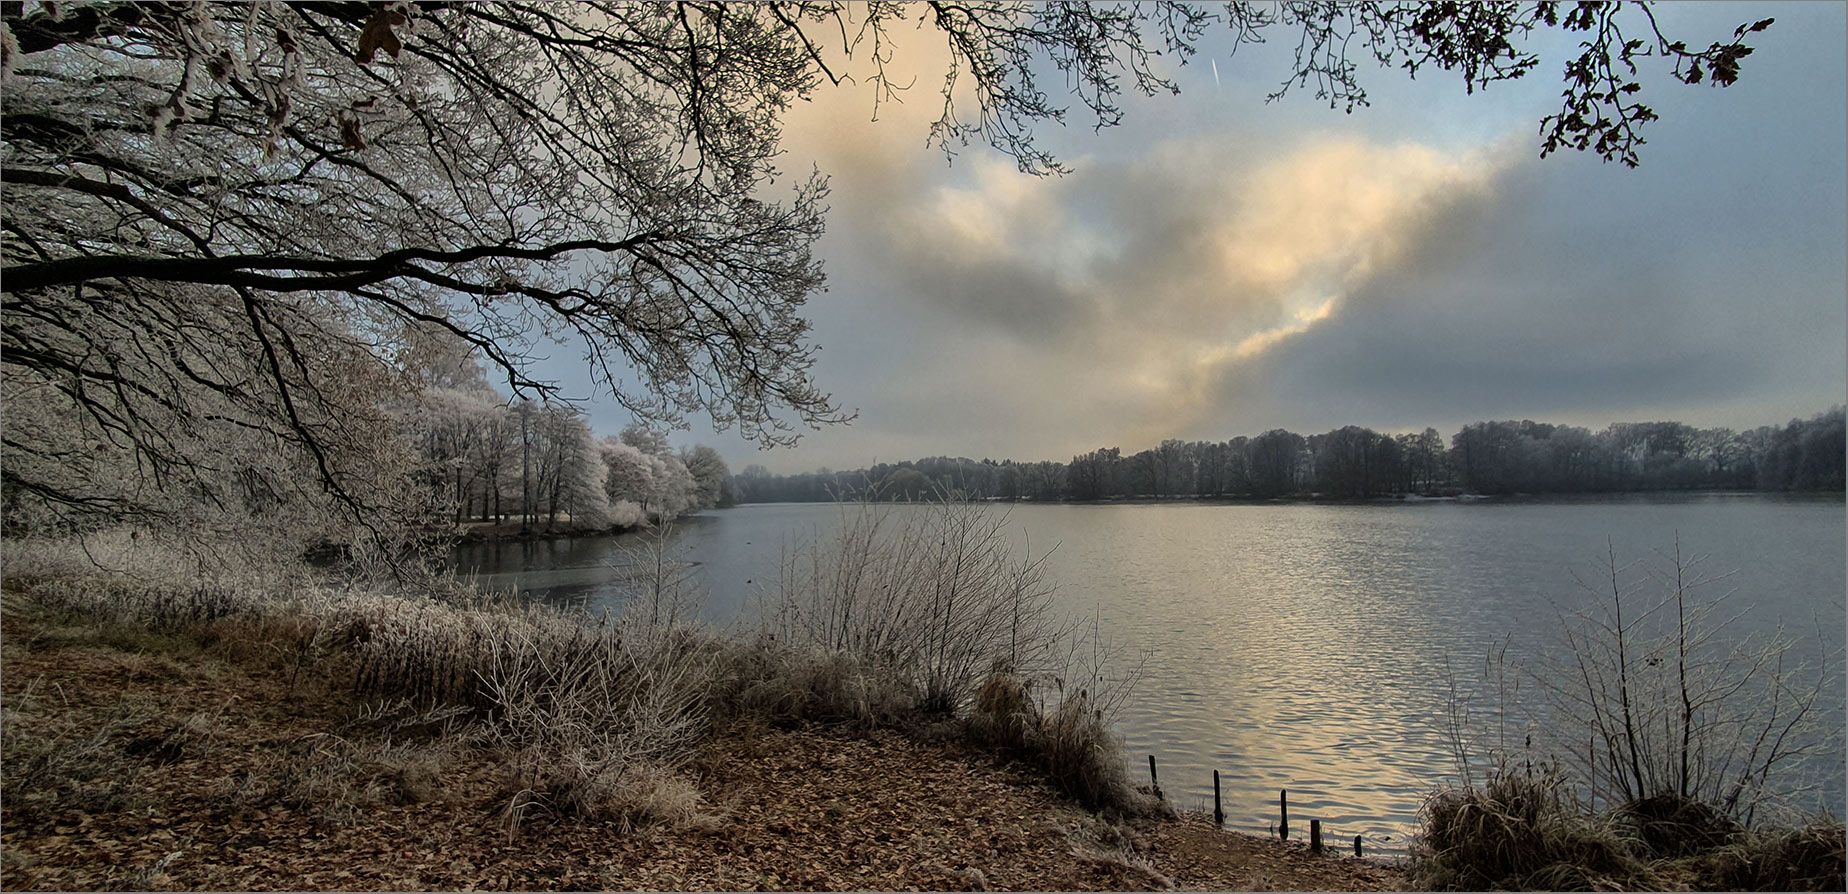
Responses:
[1354,462]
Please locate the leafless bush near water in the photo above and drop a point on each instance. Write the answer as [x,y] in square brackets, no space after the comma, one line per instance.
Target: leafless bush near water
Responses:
[1658,696]
[1658,765]
[936,594]
[934,599]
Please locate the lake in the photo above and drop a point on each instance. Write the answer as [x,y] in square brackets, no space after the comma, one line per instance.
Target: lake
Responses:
[1311,647]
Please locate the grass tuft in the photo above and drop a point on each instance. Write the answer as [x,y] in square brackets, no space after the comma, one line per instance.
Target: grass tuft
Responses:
[1811,858]
[1071,744]
[1518,832]
[1669,826]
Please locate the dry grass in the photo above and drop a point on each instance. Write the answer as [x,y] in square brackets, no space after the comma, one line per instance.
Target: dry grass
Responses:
[595,716]
[760,680]
[1519,832]
[56,765]
[1071,744]
[1669,826]
[574,786]
[1524,833]
[1811,858]
[338,781]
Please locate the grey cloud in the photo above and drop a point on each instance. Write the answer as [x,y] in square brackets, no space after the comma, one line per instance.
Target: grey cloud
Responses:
[1570,299]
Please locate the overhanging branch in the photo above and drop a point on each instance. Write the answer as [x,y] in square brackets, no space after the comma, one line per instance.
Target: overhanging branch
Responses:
[242,270]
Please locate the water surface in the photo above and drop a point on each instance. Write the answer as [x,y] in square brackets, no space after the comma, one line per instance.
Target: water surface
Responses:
[1312,647]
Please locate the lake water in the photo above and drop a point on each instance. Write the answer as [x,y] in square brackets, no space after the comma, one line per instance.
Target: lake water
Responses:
[1310,647]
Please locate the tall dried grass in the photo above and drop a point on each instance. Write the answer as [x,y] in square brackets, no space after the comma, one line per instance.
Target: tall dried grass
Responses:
[1067,736]
[1807,858]
[594,713]
[1518,832]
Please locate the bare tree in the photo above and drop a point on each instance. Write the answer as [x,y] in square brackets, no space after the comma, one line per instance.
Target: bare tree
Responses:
[208,204]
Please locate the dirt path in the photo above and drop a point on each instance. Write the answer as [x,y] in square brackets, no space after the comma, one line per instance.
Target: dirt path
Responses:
[141,762]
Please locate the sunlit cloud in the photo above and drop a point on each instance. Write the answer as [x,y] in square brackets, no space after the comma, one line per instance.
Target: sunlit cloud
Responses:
[1259,342]
[1115,303]
[1166,273]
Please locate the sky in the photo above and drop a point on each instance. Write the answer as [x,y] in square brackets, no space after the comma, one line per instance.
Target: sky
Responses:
[1221,266]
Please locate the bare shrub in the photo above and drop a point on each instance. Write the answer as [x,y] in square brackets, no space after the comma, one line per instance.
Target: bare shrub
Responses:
[932,600]
[933,592]
[1656,699]
[659,585]
[1669,737]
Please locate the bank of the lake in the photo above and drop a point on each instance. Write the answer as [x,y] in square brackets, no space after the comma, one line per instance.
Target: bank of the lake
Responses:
[146,761]
[276,729]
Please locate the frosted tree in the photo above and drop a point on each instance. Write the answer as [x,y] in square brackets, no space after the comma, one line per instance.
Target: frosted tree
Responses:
[674,487]
[566,469]
[629,480]
[208,203]
[711,479]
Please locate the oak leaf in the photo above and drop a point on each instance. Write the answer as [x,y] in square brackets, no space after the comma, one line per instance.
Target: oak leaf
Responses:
[378,35]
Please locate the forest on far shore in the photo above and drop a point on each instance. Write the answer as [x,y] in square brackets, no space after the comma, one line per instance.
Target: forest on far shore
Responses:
[1352,462]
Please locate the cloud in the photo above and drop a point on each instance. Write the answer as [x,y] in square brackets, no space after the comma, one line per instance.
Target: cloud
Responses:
[1585,297]
[1146,283]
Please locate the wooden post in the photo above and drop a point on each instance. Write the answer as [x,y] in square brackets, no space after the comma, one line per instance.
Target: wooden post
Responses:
[1315,836]
[1283,807]
[1219,814]
[1357,845]
[1153,782]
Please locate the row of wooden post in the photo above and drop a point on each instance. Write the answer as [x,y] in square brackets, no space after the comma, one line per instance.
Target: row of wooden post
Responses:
[1283,812]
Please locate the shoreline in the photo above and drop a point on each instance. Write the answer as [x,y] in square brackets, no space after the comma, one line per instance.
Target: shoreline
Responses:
[274,733]
[158,761]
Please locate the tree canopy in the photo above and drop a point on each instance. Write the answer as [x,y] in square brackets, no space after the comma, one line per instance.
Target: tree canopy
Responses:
[1352,462]
[227,226]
